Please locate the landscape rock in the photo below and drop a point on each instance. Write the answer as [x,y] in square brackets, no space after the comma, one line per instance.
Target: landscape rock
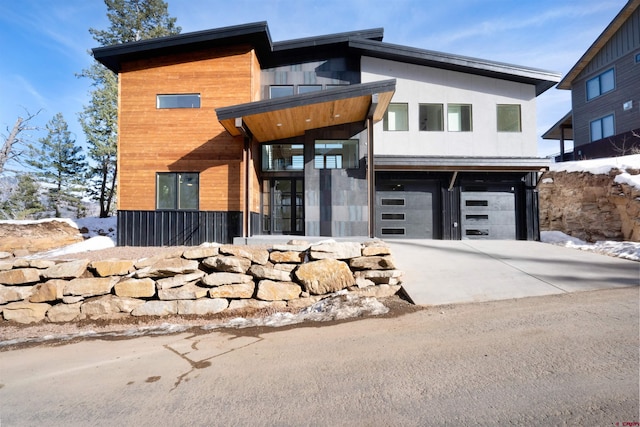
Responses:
[381,277]
[179,280]
[148,262]
[112,267]
[303,302]
[51,290]
[228,264]
[156,308]
[380,291]
[25,312]
[253,254]
[66,270]
[203,306]
[373,248]
[168,267]
[372,263]
[324,276]
[189,291]
[242,290]
[37,237]
[64,312]
[5,255]
[243,304]
[287,257]
[14,293]
[219,279]
[136,288]
[268,290]
[336,250]
[6,264]
[41,264]
[107,305]
[203,251]
[20,276]
[263,272]
[90,287]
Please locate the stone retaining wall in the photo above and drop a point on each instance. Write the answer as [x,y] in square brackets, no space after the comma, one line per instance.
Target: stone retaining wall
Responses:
[201,280]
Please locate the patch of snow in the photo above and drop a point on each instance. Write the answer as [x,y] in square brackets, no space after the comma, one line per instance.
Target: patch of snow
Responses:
[604,166]
[38,221]
[99,226]
[547,181]
[626,250]
[92,244]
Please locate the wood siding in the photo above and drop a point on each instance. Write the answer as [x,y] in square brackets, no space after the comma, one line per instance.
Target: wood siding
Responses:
[183,140]
[618,53]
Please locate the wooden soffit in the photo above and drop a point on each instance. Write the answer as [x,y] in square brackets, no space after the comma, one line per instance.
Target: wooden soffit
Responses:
[291,116]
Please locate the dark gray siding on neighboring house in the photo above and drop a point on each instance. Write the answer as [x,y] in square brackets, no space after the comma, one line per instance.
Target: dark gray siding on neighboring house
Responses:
[619,53]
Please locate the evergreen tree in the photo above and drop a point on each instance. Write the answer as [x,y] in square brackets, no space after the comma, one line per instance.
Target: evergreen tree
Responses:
[59,162]
[24,201]
[130,20]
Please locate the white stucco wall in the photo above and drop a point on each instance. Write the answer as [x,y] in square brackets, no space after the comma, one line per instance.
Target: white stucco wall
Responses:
[418,84]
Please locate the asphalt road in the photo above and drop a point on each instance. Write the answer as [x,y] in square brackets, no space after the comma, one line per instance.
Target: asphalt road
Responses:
[549,360]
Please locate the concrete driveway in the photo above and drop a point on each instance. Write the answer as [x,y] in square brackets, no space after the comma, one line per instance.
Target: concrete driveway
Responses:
[445,271]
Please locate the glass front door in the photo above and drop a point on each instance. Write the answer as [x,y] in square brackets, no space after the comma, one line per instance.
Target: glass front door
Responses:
[284,210]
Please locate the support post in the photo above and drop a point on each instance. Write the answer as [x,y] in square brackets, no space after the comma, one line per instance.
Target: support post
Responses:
[247,188]
[371,178]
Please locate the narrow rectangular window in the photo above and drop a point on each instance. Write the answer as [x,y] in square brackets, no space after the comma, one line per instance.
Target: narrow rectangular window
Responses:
[177,191]
[509,118]
[431,117]
[396,118]
[392,231]
[181,100]
[459,118]
[280,91]
[602,128]
[392,202]
[393,216]
[601,84]
[336,154]
[282,157]
[309,88]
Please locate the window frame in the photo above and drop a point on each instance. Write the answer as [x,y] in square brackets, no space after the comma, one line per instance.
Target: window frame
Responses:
[420,119]
[385,119]
[176,196]
[460,122]
[350,164]
[177,96]
[500,107]
[271,87]
[599,80]
[313,87]
[290,166]
[601,121]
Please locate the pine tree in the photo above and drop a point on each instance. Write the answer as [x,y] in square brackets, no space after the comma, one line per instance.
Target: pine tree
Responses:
[59,162]
[130,20]
[24,201]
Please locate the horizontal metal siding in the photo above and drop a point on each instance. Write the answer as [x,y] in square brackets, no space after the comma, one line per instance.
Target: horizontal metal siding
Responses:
[177,228]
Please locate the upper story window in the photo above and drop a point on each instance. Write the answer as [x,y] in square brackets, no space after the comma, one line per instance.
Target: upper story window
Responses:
[282,157]
[459,118]
[177,191]
[280,91]
[431,117]
[602,128]
[179,100]
[509,118]
[309,88]
[336,154]
[601,84]
[396,117]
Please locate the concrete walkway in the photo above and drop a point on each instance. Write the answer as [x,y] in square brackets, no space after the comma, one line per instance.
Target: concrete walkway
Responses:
[440,272]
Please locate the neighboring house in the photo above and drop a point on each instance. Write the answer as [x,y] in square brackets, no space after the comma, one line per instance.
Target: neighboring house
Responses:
[225,134]
[604,120]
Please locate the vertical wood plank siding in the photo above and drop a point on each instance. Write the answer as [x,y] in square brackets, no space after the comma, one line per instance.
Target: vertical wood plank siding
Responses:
[177,228]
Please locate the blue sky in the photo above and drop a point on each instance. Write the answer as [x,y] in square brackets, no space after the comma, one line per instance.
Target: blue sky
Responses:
[45,43]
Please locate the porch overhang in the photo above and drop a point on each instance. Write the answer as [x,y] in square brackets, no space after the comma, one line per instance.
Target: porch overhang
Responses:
[292,116]
[460,164]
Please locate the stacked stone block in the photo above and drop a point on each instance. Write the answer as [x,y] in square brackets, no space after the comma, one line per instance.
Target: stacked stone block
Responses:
[202,280]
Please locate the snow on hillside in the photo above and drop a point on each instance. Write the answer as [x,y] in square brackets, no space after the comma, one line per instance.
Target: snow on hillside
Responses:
[604,166]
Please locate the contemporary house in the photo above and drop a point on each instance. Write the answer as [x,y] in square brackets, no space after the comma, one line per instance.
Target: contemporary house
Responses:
[605,93]
[225,134]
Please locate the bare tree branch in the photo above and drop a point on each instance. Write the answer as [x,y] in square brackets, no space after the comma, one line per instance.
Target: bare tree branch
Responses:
[10,149]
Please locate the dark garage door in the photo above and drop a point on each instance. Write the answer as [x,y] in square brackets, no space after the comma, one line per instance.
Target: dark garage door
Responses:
[407,209]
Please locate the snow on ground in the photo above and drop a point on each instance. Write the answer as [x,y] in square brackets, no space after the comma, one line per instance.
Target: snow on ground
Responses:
[604,166]
[627,250]
[92,244]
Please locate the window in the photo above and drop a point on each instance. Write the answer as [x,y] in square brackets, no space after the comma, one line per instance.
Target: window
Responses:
[637,58]
[281,157]
[183,100]
[177,191]
[396,117]
[280,91]
[509,118]
[431,117]
[600,84]
[332,154]
[309,88]
[602,128]
[459,117]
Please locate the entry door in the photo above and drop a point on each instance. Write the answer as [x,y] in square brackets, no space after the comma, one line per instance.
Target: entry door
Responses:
[287,201]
